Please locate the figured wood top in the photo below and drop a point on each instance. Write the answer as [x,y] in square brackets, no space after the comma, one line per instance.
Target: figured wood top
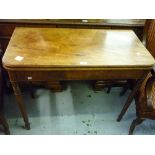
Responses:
[103,22]
[66,47]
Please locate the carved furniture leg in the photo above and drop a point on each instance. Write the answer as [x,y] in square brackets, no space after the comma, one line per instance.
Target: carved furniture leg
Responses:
[55,86]
[130,98]
[135,122]
[5,125]
[20,103]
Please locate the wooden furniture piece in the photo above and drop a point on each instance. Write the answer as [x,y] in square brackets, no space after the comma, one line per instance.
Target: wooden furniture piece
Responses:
[149,41]
[145,100]
[7,27]
[3,121]
[53,55]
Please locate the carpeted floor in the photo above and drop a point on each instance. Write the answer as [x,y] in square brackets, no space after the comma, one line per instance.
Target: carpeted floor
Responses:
[78,110]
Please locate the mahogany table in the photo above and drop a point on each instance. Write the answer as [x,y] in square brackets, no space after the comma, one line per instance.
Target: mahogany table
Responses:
[57,54]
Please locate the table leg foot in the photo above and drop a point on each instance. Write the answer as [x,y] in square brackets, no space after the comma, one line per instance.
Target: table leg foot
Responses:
[119,118]
[27,126]
[7,131]
[3,121]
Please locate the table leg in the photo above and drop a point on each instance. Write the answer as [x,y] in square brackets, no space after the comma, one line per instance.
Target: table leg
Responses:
[130,98]
[5,124]
[20,103]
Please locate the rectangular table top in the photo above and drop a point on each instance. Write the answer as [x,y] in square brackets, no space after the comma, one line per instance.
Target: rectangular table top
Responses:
[67,47]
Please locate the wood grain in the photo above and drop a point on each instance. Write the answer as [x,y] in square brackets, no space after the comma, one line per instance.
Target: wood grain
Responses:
[53,47]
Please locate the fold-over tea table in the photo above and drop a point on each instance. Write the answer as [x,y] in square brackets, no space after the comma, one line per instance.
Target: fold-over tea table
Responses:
[58,54]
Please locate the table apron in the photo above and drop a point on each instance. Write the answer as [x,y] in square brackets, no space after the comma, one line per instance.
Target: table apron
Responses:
[76,75]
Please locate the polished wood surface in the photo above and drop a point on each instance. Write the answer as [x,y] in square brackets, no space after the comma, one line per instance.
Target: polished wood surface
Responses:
[52,55]
[109,22]
[52,47]
[7,26]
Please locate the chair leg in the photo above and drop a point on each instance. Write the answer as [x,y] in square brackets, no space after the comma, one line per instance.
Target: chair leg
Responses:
[129,100]
[134,123]
[5,125]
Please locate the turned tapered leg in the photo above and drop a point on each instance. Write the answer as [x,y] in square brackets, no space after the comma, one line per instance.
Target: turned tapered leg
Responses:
[129,100]
[20,103]
[5,124]
[135,122]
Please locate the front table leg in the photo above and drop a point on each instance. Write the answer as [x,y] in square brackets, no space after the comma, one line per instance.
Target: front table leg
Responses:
[20,103]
